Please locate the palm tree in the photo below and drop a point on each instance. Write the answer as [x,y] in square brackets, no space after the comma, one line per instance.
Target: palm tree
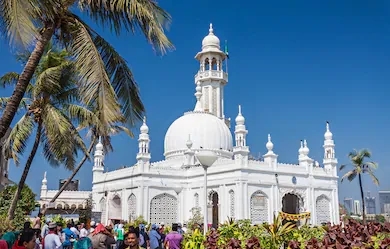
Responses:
[31,24]
[49,95]
[359,167]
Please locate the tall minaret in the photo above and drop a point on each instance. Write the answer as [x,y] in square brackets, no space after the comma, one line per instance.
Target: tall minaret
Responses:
[211,76]
[98,166]
[241,150]
[143,156]
[330,160]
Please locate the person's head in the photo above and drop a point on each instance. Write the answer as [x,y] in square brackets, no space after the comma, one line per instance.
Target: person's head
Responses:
[40,215]
[154,226]
[92,224]
[69,225]
[132,237]
[27,239]
[52,226]
[174,227]
[142,227]
[27,225]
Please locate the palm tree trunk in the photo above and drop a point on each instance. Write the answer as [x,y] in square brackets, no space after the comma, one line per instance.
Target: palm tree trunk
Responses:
[75,171]
[362,195]
[24,79]
[11,211]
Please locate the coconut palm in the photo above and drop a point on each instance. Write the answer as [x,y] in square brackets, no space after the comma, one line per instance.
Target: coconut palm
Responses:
[49,96]
[31,24]
[360,165]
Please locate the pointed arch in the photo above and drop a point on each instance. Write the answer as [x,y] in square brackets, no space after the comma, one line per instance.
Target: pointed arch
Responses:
[163,208]
[323,210]
[115,208]
[196,200]
[132,207]
[103,210]
[259,207]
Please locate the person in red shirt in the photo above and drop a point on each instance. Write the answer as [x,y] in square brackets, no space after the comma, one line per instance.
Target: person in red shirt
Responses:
[26,240]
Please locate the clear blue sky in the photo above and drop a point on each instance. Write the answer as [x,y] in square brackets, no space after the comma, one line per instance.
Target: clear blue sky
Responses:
[293,65]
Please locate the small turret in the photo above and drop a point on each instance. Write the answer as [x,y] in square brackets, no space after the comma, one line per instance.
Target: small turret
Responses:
[270,157]
[143,156]
[241,150]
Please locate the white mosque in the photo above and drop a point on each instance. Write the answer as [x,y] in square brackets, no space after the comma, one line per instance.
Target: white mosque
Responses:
[237,186]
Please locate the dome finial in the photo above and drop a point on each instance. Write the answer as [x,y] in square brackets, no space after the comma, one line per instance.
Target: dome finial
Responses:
[144,129]
[198,95]
[189,142]
[328,134]
[240,120]
[211,29]
[305,148]
[269,144]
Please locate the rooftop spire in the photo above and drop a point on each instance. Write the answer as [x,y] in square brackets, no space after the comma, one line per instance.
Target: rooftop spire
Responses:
[211,30]
[198,95]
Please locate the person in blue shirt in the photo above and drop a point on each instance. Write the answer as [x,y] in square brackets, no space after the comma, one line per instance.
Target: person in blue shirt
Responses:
[70,237]
[154,237]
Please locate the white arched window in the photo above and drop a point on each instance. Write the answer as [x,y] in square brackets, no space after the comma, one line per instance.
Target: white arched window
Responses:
[259,208]
[132,207]
[163,208]
[232,204]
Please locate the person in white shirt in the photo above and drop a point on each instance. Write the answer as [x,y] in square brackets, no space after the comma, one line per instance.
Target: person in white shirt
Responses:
[93,226]
[83,231]
[74,229]
[52,240]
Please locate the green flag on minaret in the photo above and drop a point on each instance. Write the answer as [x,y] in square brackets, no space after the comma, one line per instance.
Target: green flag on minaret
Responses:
[226,49]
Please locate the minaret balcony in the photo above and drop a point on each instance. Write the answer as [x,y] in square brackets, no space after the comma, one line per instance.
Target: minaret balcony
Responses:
[211,74]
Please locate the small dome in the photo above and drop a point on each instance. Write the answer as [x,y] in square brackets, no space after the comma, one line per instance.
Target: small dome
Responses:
[305,149]
[206,131]
[269,145]
[144,129]
[99,146]
[240,120]
[211,40]
[328,135]
[300,151]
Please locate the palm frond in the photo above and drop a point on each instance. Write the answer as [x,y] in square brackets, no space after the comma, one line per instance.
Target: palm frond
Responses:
[10,78]
[350,175]
[17,19]
[61,139]
[130,15]
[121,78]
[81,115]
[16,143]
[373,177]
[49,80]
[23,103]
[95,85]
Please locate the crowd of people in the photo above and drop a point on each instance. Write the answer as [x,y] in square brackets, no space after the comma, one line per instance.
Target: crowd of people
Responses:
[76,236]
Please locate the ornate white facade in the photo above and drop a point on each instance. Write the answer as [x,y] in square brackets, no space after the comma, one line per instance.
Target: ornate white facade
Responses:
[239,187]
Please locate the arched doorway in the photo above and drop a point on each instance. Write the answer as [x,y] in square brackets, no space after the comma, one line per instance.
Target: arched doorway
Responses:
[215,211]
[290,205]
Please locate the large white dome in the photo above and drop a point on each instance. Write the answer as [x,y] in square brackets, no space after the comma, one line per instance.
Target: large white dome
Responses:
[205,130]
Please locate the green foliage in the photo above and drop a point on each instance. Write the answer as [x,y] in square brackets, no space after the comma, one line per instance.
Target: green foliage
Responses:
[306,233]
[195,220]
[59,220]
[86,214]
[26,204]
[139,220]
[194,240]
[5,224]
[380,218]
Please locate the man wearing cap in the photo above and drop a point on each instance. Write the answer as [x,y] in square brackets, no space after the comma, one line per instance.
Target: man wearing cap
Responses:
[52,240]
